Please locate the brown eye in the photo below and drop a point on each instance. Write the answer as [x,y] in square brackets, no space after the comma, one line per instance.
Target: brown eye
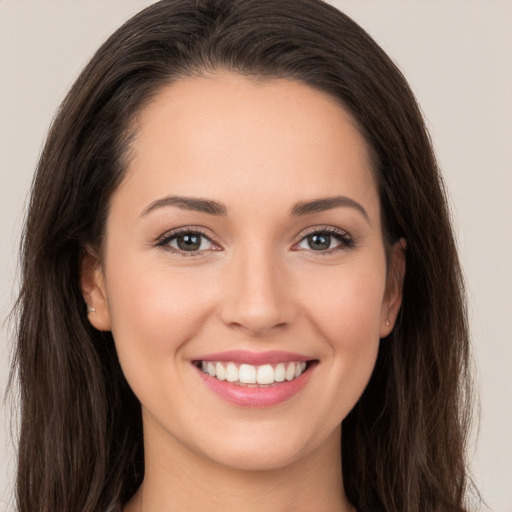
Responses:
[188,241]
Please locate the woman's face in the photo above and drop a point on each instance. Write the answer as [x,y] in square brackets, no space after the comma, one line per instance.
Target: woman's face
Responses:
[245,240]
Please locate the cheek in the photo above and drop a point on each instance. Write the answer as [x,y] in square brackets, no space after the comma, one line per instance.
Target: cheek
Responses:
[346,304]
[155,309]
[346,310]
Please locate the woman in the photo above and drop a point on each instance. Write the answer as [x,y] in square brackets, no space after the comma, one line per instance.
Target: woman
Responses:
[240,286]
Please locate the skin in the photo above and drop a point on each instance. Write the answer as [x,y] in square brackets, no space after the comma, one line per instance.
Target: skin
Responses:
[258,148]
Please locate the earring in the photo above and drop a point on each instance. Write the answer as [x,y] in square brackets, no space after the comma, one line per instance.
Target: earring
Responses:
[387,322]
[90,309]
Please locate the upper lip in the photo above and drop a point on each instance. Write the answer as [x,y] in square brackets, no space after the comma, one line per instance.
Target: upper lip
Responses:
[254,358]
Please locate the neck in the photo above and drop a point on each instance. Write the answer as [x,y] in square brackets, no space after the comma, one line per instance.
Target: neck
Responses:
[180,479]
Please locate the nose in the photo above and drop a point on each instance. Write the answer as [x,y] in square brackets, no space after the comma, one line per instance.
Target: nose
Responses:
[257,295]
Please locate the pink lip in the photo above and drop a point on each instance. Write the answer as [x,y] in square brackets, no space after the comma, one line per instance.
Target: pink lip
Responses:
[264,396]
[254,358]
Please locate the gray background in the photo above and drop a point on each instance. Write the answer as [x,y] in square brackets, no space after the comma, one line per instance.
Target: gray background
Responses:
[457,55]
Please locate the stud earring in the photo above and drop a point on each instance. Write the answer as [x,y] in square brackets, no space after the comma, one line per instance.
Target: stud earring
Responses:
[90,309]
[387,322]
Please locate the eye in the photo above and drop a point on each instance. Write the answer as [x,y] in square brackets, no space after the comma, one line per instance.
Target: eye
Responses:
[326,240]
[187,241]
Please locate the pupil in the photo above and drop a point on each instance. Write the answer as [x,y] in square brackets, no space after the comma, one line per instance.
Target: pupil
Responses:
[189,242]
[319,242]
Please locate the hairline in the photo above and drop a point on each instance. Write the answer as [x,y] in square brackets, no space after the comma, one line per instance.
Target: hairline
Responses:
[212,71]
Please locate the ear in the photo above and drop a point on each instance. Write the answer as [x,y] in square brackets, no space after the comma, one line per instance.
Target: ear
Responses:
[92,282]
[394,285]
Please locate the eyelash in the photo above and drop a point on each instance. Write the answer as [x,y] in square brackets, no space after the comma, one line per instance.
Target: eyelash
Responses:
[346,241]
[167,238]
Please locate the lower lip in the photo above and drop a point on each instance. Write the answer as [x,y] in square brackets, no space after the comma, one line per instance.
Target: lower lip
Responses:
[264,396]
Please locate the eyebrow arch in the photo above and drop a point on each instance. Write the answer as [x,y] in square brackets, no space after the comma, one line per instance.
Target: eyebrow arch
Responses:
[215,208]
[328,203]
[187,203]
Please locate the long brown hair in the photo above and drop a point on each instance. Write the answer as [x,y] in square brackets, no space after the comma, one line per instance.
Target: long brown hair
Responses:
[81,443]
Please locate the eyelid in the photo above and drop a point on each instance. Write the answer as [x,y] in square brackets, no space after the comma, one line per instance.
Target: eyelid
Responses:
[164,239]
[324,229]
[346,239]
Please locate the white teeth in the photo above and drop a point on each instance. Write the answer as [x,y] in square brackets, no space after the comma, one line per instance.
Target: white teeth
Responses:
[290,372]
[249,374]
[231,372]
[280,373]
[265,374]
[220,372]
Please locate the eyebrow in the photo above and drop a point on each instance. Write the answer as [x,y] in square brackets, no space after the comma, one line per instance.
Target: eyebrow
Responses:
[328,203]
[215,208]
[188,203]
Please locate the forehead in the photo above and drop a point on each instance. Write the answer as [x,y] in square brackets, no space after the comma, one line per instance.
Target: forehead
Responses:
[229,136]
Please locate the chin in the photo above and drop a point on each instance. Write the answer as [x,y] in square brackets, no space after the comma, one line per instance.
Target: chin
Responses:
[264,449]
[257,458]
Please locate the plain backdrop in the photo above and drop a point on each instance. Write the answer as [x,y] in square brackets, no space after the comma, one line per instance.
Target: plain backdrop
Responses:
[457,56]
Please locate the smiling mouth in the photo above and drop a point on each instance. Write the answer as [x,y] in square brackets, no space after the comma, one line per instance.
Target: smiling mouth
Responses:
[248,375]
